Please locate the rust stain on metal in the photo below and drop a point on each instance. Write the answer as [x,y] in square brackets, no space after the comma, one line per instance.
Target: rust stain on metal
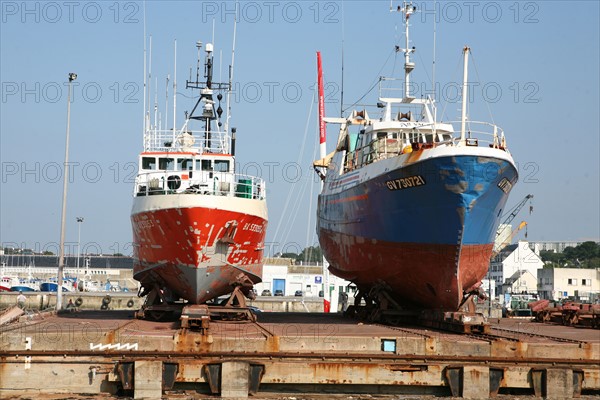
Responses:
[186,341]
[406,367]
[272,344]
[187,370]
[333,372]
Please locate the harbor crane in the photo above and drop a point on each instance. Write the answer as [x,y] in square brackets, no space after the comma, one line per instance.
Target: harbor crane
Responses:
[499,246]
[506,223]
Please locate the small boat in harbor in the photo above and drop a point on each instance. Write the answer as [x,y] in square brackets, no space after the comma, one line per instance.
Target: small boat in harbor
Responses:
[15,283]
[88,285]
[7,282]
[26,285]
[29,284]
[52,285]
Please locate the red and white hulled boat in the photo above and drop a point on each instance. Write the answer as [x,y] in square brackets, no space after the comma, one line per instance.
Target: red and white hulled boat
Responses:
[198,227]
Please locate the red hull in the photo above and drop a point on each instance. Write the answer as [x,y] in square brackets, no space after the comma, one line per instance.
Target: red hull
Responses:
[425,275]
[197,252]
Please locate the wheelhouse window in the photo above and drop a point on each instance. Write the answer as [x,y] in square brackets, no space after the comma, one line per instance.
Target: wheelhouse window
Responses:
[148,162]
[166,164]
[204,165]
[222,165]
[185,164]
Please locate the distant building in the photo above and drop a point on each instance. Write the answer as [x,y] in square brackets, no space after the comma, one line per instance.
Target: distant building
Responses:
[503,236]
[512,259]
[557,247]
[95,261]
[576,283]
[282,274]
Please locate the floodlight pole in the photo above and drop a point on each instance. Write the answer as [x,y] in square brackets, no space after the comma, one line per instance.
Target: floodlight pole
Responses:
[61,257]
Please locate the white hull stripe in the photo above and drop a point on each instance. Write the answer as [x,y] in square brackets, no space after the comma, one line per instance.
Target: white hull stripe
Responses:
[252,207]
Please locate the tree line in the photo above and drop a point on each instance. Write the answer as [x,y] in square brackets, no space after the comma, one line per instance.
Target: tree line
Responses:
[585,255]
[311,254]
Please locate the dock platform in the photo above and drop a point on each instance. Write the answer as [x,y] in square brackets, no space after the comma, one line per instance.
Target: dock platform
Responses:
[110,354]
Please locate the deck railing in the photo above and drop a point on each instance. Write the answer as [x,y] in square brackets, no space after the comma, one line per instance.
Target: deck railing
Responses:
[194,141]
[218,184]
[385,147]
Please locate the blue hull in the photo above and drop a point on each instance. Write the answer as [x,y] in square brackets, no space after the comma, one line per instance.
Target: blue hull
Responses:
[424,232]
[51,287]
[445,200]
[22,289]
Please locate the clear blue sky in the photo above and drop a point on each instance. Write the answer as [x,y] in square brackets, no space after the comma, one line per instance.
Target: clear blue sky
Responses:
[538,65]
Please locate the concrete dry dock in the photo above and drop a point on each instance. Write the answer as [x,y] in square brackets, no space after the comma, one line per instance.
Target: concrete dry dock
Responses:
[109,352]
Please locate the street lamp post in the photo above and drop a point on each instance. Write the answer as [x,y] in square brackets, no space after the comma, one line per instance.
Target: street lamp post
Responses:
[79,221]
[61,257]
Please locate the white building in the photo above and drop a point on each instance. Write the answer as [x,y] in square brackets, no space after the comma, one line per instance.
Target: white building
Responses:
[521,281]
[282,274]
[489,286]
[512,259]
[577,283]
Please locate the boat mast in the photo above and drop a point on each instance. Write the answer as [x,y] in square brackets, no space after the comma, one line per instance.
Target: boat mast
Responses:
[408,9]
[207,92]
[167,102]
[323,154]
[174,89]
[145,81]
[463,119]
[433,89]
[229,89]
[149,90]
[322,129]
[156,118]
[206,102]
[342,88]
